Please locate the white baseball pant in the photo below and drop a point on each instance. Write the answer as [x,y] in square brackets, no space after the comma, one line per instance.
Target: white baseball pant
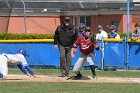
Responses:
[3,66]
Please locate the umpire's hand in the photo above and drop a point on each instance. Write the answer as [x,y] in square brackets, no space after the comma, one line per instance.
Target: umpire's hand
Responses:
[55,46]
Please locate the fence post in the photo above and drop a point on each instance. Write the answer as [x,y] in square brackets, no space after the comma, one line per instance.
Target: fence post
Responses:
[127,37]
[25,27]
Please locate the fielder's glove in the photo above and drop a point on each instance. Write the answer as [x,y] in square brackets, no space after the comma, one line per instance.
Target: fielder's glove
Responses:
[92,37]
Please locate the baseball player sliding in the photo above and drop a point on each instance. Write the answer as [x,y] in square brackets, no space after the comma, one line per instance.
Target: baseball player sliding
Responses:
[3,66]
[86,45]
[15,59]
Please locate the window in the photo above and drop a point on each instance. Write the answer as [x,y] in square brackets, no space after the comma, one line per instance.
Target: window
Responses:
[86,20]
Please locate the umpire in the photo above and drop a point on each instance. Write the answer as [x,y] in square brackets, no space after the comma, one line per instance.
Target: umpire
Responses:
[65,36]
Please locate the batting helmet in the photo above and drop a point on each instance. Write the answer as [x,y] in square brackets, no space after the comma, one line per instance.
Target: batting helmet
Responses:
[22,51]
[100,27]
[82,26]
[112,27]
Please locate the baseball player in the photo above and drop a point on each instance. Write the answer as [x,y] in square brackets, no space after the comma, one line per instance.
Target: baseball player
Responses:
[102,34]
[113,33]
[16,59]
[136,34]
[81,29]
[86,46]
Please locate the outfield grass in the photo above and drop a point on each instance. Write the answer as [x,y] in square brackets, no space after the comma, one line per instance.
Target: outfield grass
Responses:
[73,87]
[46,87]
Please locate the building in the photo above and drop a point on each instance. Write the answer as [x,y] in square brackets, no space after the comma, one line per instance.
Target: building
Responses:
[43,16]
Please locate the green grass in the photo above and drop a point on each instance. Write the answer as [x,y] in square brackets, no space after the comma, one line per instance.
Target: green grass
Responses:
[40,87]
[73,87]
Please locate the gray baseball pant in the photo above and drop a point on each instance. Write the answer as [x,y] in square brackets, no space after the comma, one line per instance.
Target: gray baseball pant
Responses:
[82,59]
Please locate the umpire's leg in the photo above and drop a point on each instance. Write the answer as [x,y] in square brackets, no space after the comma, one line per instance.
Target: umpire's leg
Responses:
[68,60]
[62,60]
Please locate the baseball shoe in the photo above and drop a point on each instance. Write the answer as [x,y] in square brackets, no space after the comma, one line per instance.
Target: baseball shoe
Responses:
[61,76]
[78,77]
[94,77]
[64,75]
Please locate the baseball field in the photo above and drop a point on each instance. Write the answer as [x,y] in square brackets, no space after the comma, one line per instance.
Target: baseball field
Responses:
[47,81]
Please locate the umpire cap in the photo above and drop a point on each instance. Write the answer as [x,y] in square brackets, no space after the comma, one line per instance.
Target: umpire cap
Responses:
[66,18]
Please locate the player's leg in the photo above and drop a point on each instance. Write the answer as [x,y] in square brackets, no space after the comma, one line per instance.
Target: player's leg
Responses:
[78,65]
[29,70]
[22,68]
[3,67]
[90,58]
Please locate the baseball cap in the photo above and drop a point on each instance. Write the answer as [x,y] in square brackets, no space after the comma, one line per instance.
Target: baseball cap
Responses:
[67,18]
[87,28]
[22,51]
[100,27]
[82,25]
[112,27]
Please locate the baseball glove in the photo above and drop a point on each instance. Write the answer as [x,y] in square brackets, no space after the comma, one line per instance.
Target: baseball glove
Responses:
[92,37]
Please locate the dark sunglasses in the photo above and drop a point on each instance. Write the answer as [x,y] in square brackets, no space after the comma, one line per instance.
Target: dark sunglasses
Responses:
[112,29]
[67,21]
[87,31]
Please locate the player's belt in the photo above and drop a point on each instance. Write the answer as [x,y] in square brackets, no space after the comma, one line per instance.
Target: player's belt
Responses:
[5,56]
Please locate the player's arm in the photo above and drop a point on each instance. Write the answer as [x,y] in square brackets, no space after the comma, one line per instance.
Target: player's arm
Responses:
[74,48]
[30,70]
[72,52]
[21,67]
[96,46]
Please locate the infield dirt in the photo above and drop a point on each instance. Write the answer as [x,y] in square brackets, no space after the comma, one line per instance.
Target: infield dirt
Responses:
[49,78]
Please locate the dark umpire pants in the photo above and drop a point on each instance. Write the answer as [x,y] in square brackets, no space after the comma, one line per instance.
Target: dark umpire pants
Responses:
[65,60]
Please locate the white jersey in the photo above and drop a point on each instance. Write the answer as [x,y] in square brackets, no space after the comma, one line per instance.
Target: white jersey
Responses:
[101,35]
[3,65]
[118,36]
[17,58]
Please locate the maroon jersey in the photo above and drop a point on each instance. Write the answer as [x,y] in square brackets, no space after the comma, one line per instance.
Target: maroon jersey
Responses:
[86,46]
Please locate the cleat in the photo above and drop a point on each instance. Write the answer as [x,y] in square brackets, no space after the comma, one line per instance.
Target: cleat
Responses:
[77,77]
[62,75]
[94,77]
